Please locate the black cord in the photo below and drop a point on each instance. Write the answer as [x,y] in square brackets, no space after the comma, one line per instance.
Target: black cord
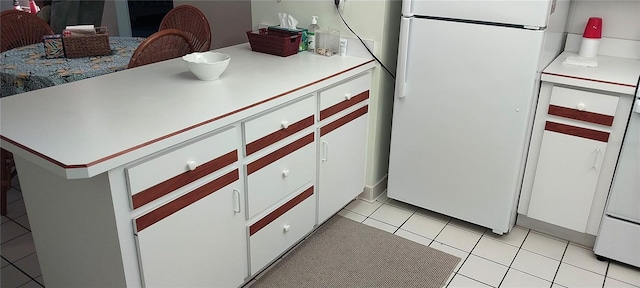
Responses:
[365,46]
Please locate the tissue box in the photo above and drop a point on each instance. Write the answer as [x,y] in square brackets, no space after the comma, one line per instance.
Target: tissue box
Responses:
[87,45]
[53,47]
[304,42]
[328,42]
[275,42]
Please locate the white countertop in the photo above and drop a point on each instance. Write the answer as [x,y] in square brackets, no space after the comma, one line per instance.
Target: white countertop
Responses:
[87,127]
[612,74]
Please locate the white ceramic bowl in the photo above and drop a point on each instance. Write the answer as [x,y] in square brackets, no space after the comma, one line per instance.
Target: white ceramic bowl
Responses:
[207,65]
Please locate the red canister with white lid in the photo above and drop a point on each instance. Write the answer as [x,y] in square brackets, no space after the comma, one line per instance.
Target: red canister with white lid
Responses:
[591,38]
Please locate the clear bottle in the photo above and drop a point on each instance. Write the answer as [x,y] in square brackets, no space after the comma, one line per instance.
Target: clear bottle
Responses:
[311,33]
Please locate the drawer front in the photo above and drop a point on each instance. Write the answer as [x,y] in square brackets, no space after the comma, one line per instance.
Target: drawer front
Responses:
[281,176]
[279,230]
[343,96]
[161,175]
[170,208]
[584,106]
[279,124]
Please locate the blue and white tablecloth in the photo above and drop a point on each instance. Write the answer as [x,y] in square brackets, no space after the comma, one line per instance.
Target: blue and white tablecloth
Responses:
[25,68]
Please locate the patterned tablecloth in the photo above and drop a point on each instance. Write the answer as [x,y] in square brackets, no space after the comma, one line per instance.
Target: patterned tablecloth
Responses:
[25,68]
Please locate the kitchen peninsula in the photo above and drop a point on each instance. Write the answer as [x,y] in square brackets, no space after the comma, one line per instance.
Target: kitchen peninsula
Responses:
[149,177]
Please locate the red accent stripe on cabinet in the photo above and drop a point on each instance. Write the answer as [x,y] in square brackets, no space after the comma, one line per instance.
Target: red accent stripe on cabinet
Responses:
[589,79]
[344,120]
[577,131]
[275,155]
[186,200]
[591,117]
[281,210]
[327,112]
[279,135]
[170,185]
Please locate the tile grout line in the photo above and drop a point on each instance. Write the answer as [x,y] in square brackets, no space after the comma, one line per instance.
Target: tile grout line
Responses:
[514,259]
[560,264]
[471,252]
[23,272]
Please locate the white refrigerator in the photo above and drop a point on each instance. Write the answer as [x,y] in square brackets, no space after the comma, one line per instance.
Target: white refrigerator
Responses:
[466,88]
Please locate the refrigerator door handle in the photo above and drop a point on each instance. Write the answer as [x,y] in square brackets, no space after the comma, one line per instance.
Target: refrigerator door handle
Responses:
[403,54]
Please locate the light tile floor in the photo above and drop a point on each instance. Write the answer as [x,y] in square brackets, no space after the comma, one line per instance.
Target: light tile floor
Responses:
[522,258]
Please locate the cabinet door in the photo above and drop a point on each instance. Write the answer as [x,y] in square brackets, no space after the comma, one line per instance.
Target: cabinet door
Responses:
[201,245]
[565,180]
[343,145]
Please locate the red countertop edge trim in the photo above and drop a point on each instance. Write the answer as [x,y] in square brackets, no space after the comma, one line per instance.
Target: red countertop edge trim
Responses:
[75,166]
[592,80]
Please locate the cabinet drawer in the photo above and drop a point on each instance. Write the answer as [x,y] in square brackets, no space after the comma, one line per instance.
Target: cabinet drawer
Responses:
[343,96]
[278,174]
[582,105]
[279,230]
[166,210]
[159,176]
[279,124]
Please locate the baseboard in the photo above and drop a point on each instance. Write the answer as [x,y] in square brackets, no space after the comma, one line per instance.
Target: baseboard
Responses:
[371,193]
[556,231]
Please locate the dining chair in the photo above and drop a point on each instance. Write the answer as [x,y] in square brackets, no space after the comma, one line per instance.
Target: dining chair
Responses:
[191,20]
[162,45]
[18,28]
[7,171]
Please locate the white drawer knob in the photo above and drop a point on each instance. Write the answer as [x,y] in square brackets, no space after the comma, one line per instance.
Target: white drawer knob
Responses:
[286,228]
[192,165]
[581,106]
[285,173]
[347,96]
[285,124]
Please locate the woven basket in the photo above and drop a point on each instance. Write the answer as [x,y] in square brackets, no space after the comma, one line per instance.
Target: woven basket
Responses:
[275,42]
[87,45]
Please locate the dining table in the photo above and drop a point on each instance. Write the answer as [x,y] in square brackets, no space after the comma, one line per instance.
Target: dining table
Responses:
[26,68]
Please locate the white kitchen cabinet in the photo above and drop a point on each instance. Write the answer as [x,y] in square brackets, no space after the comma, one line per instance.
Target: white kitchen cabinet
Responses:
[343,142]
[151,181]
[201,245]
[575,143]
[566,176]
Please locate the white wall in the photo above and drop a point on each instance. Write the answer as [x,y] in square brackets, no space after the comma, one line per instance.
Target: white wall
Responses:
[376,20]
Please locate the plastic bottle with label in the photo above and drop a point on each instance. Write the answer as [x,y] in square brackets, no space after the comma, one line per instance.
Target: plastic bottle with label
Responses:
[311,34]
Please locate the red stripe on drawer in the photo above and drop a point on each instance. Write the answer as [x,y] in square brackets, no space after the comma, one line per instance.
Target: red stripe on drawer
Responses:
[170,185]
[590,79]
[344,120]
[186,200]
[281,210]
[275,155]
[581,115]
[279,135]
[577,131]
[326,113]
